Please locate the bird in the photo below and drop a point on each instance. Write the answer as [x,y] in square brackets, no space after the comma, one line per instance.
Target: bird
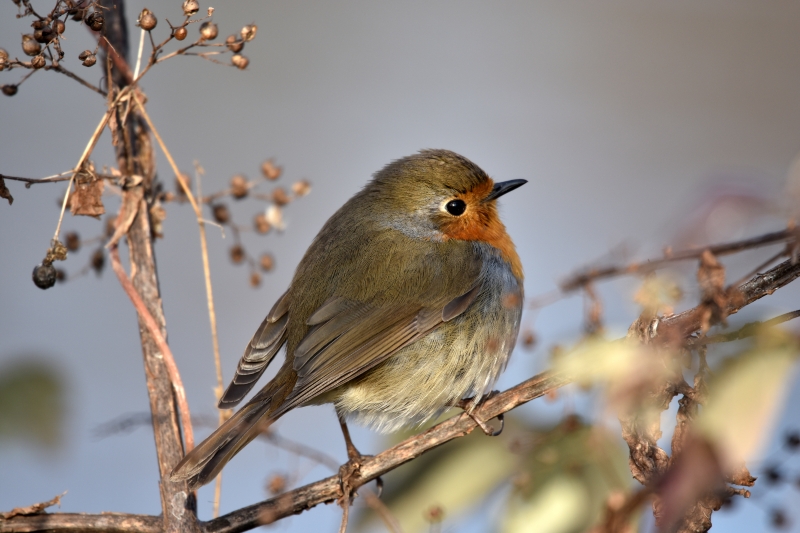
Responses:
[407,302]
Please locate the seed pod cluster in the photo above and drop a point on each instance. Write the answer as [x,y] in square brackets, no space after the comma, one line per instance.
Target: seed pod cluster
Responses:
[147,21]
[239,188]
[190,7]
[240,61]
[208,31]
[30,46]
[95,20]
[88,58]
[234,44]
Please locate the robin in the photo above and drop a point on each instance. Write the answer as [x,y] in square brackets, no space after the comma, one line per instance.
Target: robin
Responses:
[407,302]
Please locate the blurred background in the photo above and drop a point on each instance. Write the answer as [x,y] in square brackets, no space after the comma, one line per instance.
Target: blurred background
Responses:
[639,124]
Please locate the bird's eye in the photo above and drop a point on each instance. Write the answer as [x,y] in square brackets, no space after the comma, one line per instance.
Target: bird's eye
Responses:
[456,207]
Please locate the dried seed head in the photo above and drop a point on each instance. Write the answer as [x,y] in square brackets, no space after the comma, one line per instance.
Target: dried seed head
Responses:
[58,26]
[3,54]
[44,276]
[88,58]
[221,213]
[95,20]
[240,61]
[234,44]
[270,171]
[30,46]
[78,14]
[190,7]
[38,62]
[38,24]
[9,90]
[237,254]
[73,241]
[255,279]
[98,261]
[180,33]
[280,197]
[266,262]
[147,21]
[248,33]
[44,35]
[301,188]
[208,30]
[239,187]
[261,224]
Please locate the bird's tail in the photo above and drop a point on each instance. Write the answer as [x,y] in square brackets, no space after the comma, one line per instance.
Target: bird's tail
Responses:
[204,462]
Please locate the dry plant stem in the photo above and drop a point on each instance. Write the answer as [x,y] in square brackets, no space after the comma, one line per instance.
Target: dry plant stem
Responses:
[345,516]
[169,360]
[212,315]
[77,78]
[748,330]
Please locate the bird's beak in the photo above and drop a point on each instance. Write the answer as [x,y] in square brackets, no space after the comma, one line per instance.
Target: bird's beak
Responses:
[503,187]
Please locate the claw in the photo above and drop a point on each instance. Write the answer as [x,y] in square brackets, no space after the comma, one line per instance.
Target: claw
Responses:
[469,405]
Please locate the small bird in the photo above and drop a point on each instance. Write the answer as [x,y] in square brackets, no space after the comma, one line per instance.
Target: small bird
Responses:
[407,302]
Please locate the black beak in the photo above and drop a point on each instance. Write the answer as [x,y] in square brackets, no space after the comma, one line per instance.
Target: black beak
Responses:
[503,187]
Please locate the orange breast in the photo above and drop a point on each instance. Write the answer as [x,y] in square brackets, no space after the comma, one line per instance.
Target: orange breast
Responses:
[481,223]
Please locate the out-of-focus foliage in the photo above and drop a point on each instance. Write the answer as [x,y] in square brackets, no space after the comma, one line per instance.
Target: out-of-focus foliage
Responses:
[566,479]
[552,479]
[31,402]
[746,395]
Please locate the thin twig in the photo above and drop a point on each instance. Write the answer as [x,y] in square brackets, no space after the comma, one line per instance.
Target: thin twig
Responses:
[166,353]
[392,524]
[748,330]
[582,278]
[139,55]
[345,516]
[69,74]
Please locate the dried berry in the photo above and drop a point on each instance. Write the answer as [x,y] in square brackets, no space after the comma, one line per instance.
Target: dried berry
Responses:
[190,7]
[793,440]
[88,58]
[234,44]
[180,33]
[98,261]
[240,61]
[261,224]
[73,241]
[528,339]
[3,54]
[280,197]
[9,90]
[61,275]
[255,279]
[58,26]
[95,20]
[301,188]
[248,33]
[266,262]
[221,213]
[44,276]
[270,171]
[237,254]
[38,24]
[239,187]
[147,21]
[276,484]
[38,62]
[208,30]
[30,46]
[78,14]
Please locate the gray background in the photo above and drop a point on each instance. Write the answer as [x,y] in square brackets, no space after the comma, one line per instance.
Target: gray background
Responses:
[633,121]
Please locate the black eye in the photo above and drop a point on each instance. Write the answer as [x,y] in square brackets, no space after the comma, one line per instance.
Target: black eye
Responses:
[456,207]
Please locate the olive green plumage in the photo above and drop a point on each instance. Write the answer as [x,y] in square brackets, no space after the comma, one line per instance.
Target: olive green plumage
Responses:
[398,309]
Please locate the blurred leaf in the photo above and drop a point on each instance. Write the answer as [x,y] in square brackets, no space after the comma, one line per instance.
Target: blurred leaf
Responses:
[746,395]
[658,294]
[566,480]
[31,403]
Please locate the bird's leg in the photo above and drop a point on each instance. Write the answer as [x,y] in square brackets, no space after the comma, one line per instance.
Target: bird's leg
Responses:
[469,405]
[355,458]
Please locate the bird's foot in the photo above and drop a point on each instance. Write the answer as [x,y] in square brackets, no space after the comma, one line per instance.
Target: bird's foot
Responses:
[469,405]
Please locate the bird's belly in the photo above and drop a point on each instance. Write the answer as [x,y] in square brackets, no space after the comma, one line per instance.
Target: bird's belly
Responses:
[409,388]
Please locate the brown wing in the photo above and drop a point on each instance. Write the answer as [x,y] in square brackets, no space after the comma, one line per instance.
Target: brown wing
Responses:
[348,338]
[266,342]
